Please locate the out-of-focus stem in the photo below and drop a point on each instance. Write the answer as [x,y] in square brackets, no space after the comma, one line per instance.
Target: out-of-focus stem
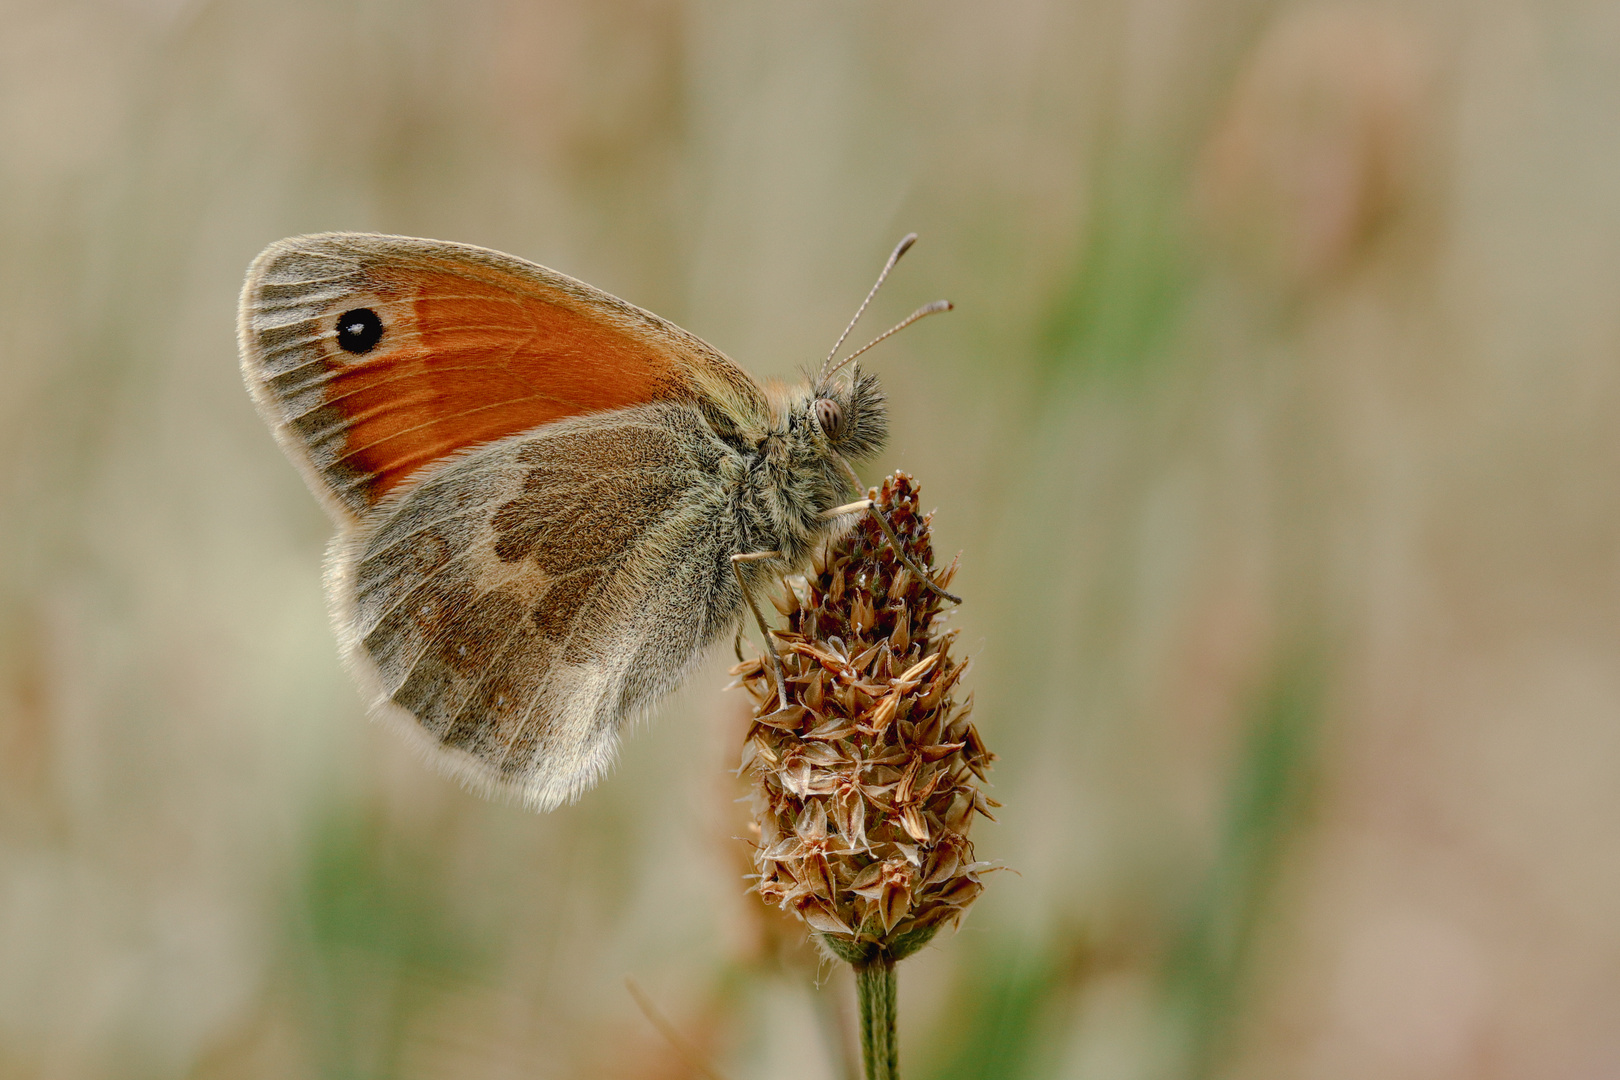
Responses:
[876,991]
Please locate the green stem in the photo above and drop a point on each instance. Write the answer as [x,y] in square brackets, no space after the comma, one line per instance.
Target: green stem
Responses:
[875,990]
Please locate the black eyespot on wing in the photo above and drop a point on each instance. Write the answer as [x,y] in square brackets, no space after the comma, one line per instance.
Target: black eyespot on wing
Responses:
[359,330]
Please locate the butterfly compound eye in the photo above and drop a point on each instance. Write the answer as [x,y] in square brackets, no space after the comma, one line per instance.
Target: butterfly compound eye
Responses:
[830,416]
[358,331]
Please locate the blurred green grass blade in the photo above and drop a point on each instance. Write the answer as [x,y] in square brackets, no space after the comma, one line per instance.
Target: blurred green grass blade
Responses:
[1008,1008]
[377,942]
[1126,294]
[1269,796]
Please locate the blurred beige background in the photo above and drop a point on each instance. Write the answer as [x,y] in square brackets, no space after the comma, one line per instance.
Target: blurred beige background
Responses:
[1277,427]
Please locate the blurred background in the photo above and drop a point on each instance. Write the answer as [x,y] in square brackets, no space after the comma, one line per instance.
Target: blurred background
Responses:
[1276,427]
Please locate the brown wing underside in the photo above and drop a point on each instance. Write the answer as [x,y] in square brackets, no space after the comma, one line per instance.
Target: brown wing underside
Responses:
[511,612]
[474,346]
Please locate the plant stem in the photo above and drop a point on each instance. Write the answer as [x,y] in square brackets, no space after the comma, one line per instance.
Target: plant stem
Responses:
[875,990]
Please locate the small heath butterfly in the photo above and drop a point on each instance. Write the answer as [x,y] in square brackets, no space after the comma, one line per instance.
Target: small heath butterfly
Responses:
[548,502]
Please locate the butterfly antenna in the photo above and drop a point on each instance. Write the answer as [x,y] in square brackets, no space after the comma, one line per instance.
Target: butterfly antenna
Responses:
[921,313]
[899,249]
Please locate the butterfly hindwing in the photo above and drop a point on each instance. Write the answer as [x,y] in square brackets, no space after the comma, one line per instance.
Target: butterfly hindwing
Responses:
[520,603]
[374,357]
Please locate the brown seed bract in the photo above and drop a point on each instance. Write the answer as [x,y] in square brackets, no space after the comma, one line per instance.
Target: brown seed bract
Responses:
[866,785]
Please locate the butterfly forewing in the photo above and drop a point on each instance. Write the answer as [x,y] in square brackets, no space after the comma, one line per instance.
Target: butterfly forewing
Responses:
[519,604]
[373,357]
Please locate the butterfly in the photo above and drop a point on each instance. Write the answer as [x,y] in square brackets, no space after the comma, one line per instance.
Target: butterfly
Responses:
[549,503]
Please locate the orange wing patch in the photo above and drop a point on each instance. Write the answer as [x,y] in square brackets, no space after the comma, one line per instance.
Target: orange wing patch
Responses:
[473,346]
[472,362]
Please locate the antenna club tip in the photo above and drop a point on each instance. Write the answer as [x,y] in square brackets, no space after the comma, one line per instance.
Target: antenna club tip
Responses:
[904,245]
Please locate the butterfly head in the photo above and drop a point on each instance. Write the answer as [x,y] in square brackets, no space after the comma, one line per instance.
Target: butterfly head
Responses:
[852,416]
[803,459]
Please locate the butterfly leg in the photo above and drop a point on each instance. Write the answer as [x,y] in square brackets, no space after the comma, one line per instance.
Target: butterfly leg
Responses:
[894,542]
[764,631]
